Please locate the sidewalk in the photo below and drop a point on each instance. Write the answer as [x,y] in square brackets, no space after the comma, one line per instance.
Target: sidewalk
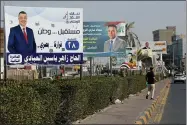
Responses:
[125,113]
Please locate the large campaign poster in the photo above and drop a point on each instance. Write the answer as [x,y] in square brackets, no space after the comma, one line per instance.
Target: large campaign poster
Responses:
[104,39]
[151,50]
[157,47]
[38,35]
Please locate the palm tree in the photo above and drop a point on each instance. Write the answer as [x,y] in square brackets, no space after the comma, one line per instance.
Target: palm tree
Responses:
[131,38]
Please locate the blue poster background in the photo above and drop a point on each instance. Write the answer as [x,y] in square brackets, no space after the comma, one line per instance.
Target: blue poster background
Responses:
[95,34]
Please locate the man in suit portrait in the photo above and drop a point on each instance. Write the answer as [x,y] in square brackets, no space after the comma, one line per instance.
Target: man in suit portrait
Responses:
[114,44]
[21,38]
[146,46]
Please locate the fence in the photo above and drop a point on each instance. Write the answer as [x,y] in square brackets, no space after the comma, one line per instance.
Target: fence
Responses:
[22,74]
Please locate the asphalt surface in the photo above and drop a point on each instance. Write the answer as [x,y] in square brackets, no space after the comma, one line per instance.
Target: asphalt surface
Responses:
[175,107]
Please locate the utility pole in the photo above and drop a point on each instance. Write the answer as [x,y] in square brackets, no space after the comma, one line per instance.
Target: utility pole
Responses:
[5,65]
[161,59]
[173,54]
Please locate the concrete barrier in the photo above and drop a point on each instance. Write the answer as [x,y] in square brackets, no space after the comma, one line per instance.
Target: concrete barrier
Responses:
[147,114]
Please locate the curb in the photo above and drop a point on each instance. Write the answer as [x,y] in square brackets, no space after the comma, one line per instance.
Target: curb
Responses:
[143,119]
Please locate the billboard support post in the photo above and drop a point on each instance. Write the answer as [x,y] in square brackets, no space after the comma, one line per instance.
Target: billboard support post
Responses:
[93,66]
[5,64]
[80,71]
[110,65]
[90,67]
[161,64]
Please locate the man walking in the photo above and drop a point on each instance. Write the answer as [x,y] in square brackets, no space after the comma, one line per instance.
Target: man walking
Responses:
[150,78]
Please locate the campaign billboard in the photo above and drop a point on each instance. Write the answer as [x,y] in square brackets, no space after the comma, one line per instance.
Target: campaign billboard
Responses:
[38,35]
[157,47]
[149,50]
[128,60]
[104,38]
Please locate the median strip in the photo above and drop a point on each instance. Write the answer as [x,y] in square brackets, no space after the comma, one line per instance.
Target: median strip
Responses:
[161,99]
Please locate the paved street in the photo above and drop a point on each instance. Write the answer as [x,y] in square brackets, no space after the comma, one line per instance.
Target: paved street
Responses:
[175,107]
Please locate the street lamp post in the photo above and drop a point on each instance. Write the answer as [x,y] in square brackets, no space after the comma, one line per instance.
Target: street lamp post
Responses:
[173,55]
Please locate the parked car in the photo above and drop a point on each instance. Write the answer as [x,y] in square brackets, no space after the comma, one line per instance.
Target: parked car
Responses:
[107,71]
[179,78]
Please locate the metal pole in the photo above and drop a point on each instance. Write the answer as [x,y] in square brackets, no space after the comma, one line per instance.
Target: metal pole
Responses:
[137,67]
[90,67]
[64,68]
[5,65]
[93,65]
[110,65]
[162,72]
[173,55]
[80,71]
[0,61]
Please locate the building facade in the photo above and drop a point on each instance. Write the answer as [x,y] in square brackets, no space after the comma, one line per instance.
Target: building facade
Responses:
[174,45]
[177,50]
[184,62]
[164,34]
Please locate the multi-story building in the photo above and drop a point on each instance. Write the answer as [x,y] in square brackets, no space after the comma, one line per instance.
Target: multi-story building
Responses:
[164,34]
[177,50]
[174,45]
[184,62]
[168,57]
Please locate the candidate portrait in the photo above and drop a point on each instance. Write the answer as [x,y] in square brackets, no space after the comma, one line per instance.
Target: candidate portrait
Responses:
[114,44]
[146,46]
[21,38]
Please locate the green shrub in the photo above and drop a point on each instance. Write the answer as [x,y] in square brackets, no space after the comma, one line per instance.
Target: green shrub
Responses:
[20,105]
[29,103]
[50,100]
[121,89]
[84,97]
[101,93]
[56,102]
[75,93]
[90,95]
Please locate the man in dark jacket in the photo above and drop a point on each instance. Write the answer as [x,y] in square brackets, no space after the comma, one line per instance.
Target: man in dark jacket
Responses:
[150,79]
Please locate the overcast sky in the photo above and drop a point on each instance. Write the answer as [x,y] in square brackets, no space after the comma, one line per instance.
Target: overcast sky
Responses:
[148,15]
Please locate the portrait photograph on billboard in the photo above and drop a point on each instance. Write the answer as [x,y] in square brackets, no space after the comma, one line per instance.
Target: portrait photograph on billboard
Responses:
[150,50]
[104,38]
[38,35]
[155,46]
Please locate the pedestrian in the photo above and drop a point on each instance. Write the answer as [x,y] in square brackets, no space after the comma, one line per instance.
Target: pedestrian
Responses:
[150,79]
[62,71]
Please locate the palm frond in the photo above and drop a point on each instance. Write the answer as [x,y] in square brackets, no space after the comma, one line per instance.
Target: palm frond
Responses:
[130,25]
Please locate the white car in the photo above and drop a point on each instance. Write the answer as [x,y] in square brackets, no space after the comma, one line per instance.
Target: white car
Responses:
[50,78]
[179,78]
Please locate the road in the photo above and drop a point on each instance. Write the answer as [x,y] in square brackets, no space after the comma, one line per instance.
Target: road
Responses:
[175,107]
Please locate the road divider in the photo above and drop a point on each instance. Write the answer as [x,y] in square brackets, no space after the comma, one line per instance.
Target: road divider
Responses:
[159,114]
[147,114]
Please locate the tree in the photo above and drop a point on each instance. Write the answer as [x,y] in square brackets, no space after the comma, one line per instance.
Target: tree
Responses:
[131,38]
